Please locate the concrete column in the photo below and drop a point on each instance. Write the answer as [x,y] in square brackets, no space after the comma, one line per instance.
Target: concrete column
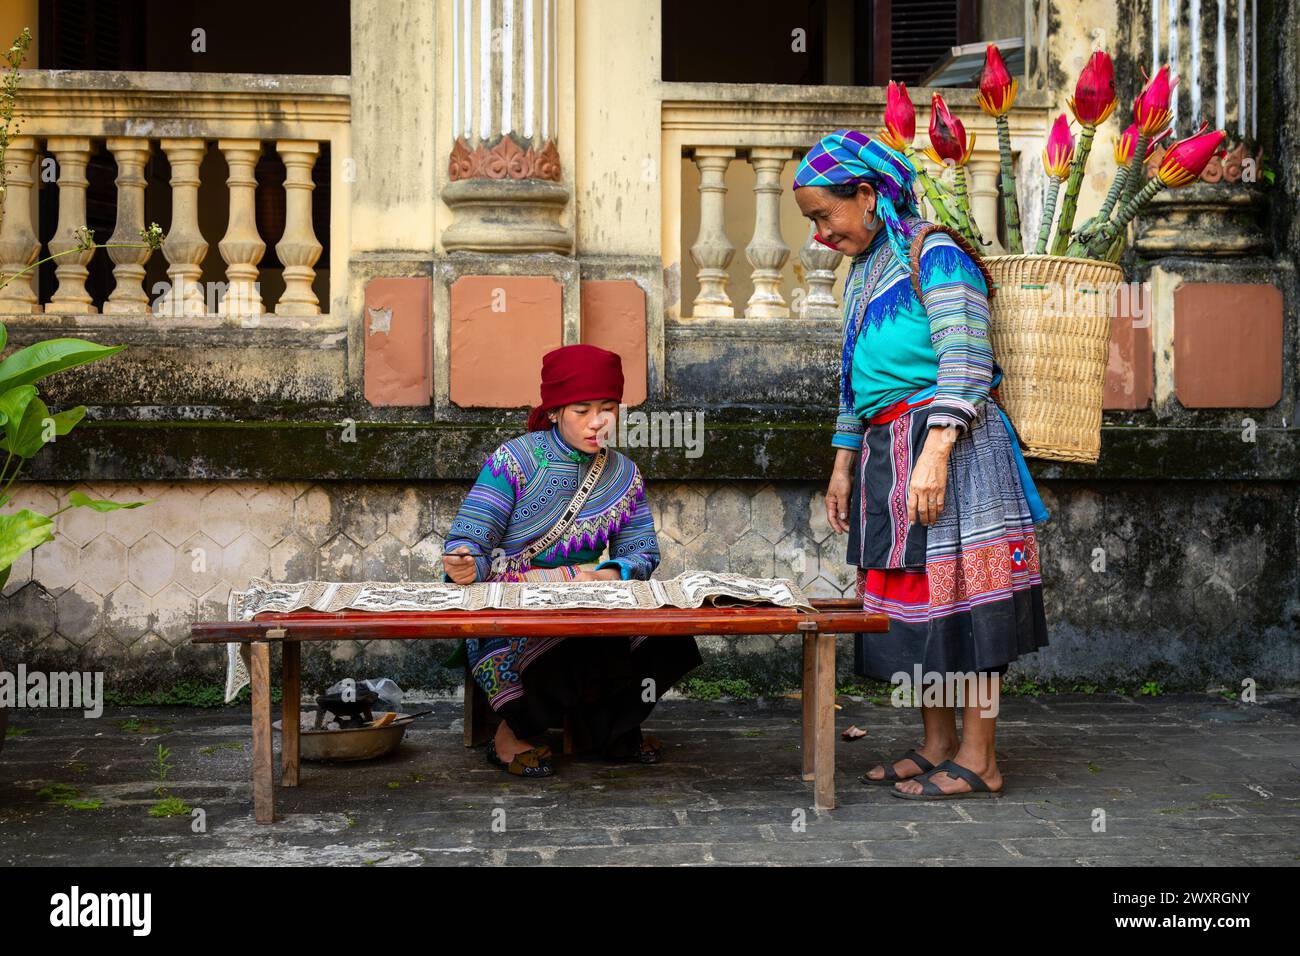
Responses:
[505,190]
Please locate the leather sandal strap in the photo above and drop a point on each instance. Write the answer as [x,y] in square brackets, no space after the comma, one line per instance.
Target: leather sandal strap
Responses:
[917,759]
[977,784]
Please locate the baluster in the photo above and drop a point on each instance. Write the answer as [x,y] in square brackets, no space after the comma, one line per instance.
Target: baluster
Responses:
[298,249]
[984,173]
[184,246]
[767,251]
[131,154]
[712,251]
[19,244]
[241,247]
[71,154]
[819,275]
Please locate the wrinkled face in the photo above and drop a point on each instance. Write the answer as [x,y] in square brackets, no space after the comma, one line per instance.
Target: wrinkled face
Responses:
[839,221]
[587,425]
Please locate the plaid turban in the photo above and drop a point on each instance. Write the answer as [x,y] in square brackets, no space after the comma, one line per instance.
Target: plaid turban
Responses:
[848,156]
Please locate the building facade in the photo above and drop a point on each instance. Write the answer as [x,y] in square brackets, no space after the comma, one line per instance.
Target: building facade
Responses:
[375,232]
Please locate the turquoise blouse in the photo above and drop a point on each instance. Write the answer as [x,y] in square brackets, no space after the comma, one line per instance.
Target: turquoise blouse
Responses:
[907,344]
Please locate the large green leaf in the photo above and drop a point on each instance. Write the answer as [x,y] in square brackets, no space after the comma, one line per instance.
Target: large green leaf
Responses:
[20,532]
[99,504]
[4,340]
[31,430]
[35,362]
[13,405]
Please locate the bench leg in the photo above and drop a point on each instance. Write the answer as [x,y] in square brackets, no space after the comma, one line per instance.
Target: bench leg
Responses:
[263,782]
[824,750]
[290,705]
[809,697]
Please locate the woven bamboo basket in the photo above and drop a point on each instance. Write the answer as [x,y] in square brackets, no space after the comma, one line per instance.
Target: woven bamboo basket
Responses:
[1050,331]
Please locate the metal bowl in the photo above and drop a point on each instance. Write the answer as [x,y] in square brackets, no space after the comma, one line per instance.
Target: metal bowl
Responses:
[363,743]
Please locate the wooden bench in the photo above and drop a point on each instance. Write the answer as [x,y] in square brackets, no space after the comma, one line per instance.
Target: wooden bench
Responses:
[819,629]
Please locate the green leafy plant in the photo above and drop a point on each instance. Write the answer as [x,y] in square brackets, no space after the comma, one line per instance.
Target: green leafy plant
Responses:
[161,768]
[27,423]
[169,807]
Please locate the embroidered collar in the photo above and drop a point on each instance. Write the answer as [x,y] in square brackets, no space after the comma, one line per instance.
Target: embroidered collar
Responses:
[563,448]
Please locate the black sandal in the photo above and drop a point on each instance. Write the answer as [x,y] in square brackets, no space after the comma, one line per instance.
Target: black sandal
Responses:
[931,790]
[530,763]
[891,775]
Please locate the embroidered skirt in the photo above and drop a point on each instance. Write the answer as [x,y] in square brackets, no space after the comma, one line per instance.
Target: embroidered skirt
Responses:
[964,594]
[599,683]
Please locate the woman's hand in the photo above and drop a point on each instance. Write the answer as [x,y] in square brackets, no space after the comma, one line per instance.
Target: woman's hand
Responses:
[840,492]
[604,574]
[460,566]
[929,481]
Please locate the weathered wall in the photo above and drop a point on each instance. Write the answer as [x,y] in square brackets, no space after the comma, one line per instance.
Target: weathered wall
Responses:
[1184,584]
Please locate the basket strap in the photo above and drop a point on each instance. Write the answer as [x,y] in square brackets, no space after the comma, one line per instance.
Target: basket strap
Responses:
[962,243]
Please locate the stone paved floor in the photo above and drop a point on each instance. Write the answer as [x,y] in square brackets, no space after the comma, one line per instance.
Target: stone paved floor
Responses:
[1183,779]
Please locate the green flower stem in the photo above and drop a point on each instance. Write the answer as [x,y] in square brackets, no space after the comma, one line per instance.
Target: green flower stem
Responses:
[1010,204]
[935,195]
[1112,196]
[1070,205]
[1100,246]
[1049,212]
[963,190]
[1133,182]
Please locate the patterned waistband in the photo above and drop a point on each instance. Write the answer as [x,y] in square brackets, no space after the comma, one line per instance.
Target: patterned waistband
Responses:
[916,400]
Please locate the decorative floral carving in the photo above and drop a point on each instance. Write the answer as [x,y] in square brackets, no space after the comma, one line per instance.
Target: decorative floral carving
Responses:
[506,160]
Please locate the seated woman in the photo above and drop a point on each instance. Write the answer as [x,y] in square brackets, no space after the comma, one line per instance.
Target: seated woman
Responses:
[546,503]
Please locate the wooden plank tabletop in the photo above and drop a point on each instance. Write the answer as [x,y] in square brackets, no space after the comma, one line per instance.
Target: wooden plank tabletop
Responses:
[833,616]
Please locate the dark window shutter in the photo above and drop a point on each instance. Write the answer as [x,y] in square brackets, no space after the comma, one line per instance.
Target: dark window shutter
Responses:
[922,32]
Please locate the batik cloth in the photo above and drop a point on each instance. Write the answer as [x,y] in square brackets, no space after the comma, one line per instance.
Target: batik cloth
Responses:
[522,489]
[964,594]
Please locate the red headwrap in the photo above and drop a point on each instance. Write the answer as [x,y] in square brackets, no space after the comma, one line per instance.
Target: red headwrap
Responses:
[576,373]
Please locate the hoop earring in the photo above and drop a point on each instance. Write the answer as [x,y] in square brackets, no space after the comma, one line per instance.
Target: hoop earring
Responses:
[865,224]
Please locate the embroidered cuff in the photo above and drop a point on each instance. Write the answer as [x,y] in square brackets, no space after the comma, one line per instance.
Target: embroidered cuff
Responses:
[623,569]
[949,412]
[848,432]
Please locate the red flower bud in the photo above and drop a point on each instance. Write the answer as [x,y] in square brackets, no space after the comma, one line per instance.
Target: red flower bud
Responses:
[1187,158]
[948,143]
[1151,110]
[997,89]
[1059,152]
[1094,95]
[900,118]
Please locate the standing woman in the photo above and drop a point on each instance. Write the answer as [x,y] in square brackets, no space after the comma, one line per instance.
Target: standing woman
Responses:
[546,505]
[941,515]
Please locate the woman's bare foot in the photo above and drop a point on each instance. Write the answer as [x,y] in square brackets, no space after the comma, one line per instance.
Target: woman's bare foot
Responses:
[907,768]
[507,744]
[983,765]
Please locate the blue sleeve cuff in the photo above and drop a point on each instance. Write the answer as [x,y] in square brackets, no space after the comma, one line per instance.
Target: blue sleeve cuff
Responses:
[623,570]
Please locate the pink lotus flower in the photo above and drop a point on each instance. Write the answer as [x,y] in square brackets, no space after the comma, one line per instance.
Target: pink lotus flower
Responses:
[1187,158]
[900,118]
[948,143]
[997,89]
[1094,94]
[1151,110]
[1059,152]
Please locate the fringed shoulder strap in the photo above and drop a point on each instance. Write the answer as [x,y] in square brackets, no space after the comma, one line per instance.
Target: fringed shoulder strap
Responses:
[962,243]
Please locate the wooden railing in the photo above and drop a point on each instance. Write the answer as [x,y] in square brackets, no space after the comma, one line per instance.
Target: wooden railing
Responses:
[65,116]
[730,151]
